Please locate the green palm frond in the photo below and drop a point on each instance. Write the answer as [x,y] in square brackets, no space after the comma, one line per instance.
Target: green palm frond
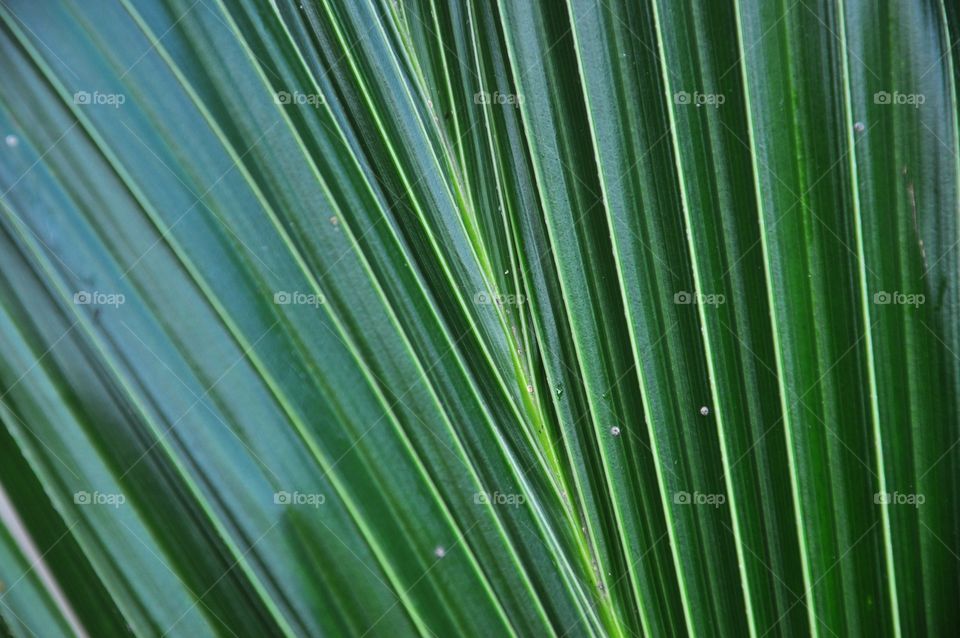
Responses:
[474,318]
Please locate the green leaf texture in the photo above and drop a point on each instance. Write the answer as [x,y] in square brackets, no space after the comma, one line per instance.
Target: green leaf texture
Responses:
[479,318]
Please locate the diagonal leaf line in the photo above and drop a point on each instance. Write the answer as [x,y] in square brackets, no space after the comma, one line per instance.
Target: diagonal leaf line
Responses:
[794,205]
[765,164]
[354,554]
[436,492]
[422,576]
[10,411]
[177,576]
[383,218]
[44,264]
[390,407]
[316,169]
[823,575]
[192,406]
[797,597]
[940,540]
[39,560]
[800,401]
[599,202]
[52,52]
[198,200]
[759,40]
[871,360]
[463,453]
[259,60]
[26,546]
[15,383]
[580,580]
[767,567]
[439,39]
[934,65]
[39,159]
[222,576]
[616,382]
[795,403]
[840,240]
[39,359]
[189,389]
[626,26]
[842,442]
[15,615]
[155,42]
[10,210]
[625,573]
[839,39]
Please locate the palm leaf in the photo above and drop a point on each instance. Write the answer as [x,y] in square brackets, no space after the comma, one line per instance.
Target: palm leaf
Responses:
[449,317]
